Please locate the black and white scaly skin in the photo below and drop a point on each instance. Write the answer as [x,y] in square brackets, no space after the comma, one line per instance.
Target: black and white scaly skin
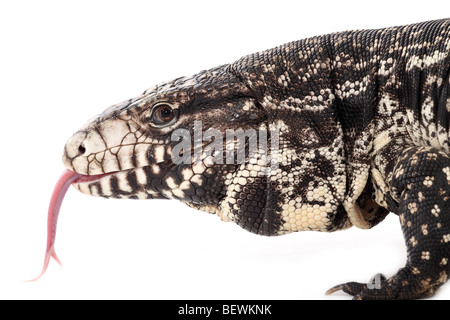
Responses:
[363,122]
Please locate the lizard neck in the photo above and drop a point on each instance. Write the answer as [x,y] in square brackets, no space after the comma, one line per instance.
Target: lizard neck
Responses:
[322,91]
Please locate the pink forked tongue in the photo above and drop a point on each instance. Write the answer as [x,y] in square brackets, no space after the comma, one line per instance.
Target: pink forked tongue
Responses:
[60,190]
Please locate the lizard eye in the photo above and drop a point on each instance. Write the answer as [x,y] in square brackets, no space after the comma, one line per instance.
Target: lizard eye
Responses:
[163,114]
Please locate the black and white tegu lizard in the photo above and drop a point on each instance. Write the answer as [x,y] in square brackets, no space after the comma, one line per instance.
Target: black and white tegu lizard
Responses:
[356,125]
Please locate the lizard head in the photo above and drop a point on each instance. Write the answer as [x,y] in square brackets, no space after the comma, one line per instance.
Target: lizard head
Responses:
[156,145]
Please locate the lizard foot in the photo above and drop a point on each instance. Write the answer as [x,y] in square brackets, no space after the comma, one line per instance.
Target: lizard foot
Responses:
[355,288]
[420,184]
[406,284]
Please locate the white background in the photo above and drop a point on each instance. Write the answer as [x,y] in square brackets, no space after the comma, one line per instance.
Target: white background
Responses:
[62,62]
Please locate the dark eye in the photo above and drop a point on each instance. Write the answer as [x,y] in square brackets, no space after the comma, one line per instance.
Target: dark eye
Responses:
[163,114]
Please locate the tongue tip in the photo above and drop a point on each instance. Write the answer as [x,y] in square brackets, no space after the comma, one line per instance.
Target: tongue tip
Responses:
[55,257]
[51,253]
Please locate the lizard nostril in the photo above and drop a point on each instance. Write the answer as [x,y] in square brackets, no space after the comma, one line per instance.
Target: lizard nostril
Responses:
[81,150]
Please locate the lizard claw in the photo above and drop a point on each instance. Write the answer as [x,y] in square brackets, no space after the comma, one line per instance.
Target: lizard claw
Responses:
[334,289]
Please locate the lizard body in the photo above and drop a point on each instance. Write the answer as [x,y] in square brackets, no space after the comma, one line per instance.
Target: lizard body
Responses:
[362,128]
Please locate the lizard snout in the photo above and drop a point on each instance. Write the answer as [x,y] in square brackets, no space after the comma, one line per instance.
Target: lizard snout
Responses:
[74,147]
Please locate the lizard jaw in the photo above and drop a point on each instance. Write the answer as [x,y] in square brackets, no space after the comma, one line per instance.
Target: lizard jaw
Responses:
[131,183]
[82,178]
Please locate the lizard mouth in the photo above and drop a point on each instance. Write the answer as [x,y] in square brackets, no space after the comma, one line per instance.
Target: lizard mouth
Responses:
[81,178]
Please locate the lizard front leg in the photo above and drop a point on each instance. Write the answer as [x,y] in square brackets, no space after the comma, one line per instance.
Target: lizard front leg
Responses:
[421,184]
